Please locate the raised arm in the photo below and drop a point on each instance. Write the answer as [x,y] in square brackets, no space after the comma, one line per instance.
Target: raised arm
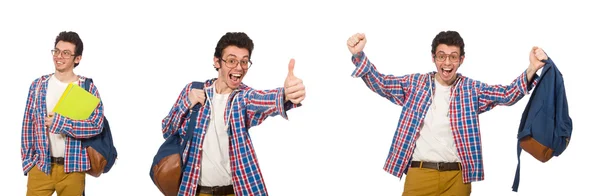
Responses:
[391,87]
[81,128]
[27,134]
[491,96]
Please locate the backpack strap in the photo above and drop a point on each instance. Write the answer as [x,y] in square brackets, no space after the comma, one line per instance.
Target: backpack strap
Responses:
[193,117]
[88,82]
[515,186]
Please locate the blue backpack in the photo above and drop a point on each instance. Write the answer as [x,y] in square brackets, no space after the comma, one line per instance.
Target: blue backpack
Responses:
[546,126]
[168,166]
[100,148]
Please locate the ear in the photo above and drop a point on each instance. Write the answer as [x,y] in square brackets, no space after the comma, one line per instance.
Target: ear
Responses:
[462,58]
[77,59]
[216,63]
[433,58]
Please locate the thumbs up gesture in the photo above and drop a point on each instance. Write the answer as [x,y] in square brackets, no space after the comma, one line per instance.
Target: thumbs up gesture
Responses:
[293,87]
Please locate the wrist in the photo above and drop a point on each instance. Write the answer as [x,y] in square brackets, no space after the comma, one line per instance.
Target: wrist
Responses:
[530,71]
[531,68]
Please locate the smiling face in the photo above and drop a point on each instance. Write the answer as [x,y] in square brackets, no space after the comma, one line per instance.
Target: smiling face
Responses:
[447,60]
[64,57]
[232,66]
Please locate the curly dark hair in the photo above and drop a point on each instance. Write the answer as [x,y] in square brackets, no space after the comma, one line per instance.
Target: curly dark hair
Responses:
[71,37]
[238,39]
[450,38]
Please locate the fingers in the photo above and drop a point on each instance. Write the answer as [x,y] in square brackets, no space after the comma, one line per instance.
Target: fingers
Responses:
[540,54]
[201,97]
[197,92]
[48,122]
[361,36]
[297,100]
[197,96]
[294,88]
[351,41]
[291,67]
[534,48]
[355,39]
[296,95]
[292,82]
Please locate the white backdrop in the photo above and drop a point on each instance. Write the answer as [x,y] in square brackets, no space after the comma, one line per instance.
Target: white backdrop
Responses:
[141,54]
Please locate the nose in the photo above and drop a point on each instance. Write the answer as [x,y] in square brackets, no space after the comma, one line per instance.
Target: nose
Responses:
[58,56]
[238,66]
[447,61]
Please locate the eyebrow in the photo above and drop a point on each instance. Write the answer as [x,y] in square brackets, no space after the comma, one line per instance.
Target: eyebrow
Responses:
[236,56]
[445,53]
[62,50]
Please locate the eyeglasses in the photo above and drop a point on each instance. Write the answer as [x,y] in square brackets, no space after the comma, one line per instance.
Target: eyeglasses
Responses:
[232,62]
[65,53]
[441,57]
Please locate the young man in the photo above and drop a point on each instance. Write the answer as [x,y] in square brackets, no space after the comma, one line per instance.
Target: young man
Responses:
[221,156]
[437,141]
[51,151]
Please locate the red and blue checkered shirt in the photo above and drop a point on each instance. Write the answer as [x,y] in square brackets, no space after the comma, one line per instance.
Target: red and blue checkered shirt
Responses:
[246,108]
[413,93]
[34,139]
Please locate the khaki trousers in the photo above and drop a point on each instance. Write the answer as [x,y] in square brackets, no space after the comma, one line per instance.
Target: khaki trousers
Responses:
[426,182]
[65,184]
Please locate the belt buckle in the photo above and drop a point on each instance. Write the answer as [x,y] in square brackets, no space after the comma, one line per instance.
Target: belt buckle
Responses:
[440,166]
[214,190]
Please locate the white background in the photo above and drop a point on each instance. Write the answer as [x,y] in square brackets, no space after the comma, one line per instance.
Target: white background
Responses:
[141,54]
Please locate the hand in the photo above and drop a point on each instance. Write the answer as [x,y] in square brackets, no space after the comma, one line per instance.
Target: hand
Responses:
[356,43]
[49,119]
[293,86]
[535,58]
[196,96]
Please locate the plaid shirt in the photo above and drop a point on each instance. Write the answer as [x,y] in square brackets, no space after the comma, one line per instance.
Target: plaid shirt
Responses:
[34,139]
[413,92]
[246,108]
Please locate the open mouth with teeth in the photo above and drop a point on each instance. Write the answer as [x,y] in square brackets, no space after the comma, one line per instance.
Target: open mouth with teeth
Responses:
[235,77]
[447,71]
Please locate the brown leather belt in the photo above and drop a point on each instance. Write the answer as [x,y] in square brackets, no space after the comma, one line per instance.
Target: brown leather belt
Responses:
[216,190]
[57,160]
[437,166]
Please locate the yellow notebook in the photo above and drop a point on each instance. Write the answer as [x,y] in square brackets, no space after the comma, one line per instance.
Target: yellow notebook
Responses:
[76,103]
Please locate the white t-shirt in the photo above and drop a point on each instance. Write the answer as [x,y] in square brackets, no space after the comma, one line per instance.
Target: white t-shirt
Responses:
[53,93]
[216,169]
[435,142]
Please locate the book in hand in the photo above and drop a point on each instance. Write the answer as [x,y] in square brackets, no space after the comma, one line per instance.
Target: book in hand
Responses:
[76,103]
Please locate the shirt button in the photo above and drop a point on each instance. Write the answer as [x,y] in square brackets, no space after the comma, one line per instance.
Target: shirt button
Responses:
[197,167]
